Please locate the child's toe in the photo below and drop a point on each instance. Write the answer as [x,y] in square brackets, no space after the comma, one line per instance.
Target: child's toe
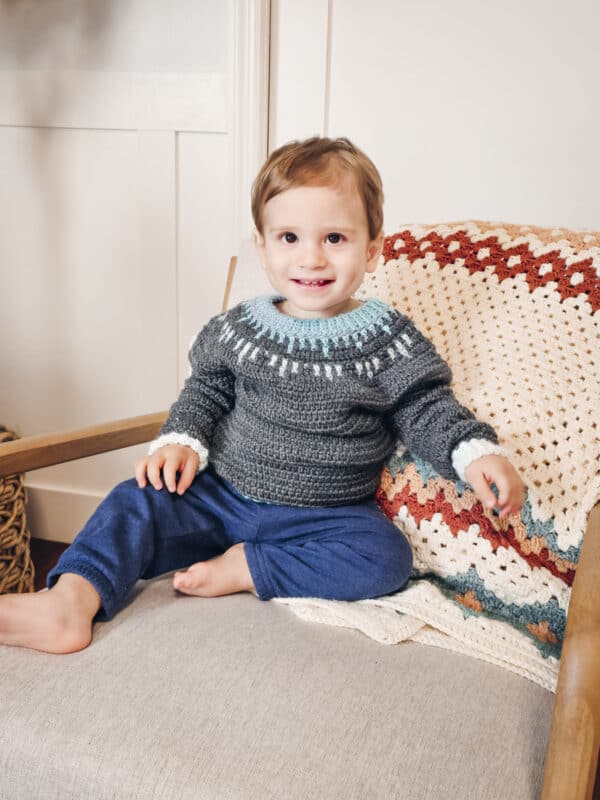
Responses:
[180,580]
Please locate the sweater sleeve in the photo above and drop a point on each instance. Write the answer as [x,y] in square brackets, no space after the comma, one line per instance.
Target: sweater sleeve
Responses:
[208,394]
[426,416]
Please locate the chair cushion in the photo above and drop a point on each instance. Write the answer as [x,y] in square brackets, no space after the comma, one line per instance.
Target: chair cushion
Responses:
[231,697]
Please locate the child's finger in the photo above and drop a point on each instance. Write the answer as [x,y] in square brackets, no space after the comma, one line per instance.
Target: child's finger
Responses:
[153,472]
[513,503]
[482,490]
[169,471]
[503,494]
[140,473]
[509,511]
[511,500]
[187,476]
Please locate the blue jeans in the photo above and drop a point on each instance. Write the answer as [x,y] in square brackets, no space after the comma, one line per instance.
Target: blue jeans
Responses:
[344,553]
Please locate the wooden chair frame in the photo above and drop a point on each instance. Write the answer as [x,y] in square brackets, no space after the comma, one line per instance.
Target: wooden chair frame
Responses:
[572,755]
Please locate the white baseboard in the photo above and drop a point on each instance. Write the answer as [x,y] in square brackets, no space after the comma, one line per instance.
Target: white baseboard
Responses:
[58,514]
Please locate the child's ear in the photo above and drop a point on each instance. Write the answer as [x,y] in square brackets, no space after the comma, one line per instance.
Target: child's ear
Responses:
[259,245]
[374,251]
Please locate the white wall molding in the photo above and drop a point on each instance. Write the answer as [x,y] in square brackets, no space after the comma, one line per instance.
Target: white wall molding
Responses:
[86,99]
[250,104]
[57,513]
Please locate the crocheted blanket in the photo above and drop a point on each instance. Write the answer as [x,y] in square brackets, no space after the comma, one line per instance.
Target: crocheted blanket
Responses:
[514,310]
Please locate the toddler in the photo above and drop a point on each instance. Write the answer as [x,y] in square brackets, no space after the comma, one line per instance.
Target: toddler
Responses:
[263,476]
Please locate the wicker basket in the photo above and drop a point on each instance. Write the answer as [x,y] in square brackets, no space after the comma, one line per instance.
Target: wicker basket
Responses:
[16,567]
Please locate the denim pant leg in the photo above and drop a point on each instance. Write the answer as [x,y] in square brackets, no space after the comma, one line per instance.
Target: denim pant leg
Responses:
[344,553]
[139,533]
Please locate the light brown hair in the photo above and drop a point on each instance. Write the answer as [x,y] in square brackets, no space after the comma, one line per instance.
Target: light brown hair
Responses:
[319,161]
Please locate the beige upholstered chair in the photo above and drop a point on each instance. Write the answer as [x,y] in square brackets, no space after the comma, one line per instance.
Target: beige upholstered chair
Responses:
[232,697]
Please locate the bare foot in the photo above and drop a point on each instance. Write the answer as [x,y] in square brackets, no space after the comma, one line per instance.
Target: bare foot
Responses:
[225,574]
[56,621]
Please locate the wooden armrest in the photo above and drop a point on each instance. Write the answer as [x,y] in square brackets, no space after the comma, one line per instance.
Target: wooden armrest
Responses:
[34,452]
[572,755]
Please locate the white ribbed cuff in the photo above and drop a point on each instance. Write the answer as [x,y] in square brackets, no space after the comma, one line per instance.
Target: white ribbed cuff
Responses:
[471,449]
[186,441]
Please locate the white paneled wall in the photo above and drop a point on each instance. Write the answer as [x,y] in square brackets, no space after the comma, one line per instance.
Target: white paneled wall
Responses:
[121,170]
[88,244]
[299,77]
[469,109]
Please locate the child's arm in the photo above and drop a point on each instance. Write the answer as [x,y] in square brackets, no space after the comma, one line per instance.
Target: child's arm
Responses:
[432,424]
[435,426]
[183,441]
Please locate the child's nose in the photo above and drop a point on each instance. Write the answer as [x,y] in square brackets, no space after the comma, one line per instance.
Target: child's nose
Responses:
[313,256]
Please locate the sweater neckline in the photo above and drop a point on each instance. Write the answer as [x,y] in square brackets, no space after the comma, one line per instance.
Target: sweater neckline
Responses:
[323,334]
[264,310]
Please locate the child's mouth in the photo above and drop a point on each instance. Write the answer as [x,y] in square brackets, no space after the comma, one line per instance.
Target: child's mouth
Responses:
[312,284]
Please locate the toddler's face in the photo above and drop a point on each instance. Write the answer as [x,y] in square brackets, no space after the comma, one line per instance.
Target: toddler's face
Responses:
[316,248]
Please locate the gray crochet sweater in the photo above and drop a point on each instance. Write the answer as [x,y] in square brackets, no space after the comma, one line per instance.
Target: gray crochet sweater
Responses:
[305,412]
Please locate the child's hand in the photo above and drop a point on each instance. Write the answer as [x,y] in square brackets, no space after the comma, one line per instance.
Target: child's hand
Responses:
[172,458]
[496,469]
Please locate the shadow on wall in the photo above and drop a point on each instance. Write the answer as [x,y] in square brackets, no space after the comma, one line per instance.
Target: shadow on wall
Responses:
[48,37]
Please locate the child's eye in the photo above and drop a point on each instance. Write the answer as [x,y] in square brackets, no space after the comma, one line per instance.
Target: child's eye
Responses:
[289,238]
[334,238]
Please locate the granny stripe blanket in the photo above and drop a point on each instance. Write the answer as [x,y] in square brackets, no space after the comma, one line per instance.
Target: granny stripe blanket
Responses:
[515,312]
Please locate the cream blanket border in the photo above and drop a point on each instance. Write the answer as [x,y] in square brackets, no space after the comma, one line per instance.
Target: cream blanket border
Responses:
[421,613]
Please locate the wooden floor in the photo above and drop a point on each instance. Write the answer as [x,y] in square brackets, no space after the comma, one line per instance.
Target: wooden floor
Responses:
[45,554]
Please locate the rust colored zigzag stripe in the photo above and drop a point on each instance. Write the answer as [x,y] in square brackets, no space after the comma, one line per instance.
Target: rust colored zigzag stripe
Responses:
[560,273]
[579,240]
[436,498]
